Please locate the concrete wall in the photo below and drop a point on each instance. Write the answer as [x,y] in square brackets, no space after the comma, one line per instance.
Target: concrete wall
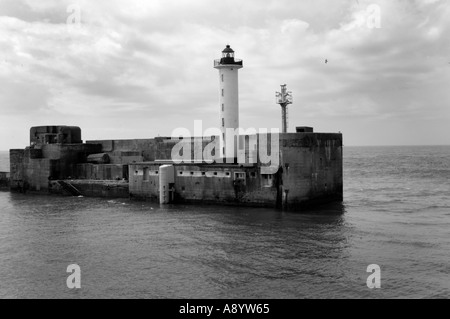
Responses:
[90,188]
[68,156]
[102,172]
[309,172]
[142,150]
[144,181]
[41,135]
[16,167]
[220,184]
[125,157]
[205,183]
[30,174]
[312,168]
[161,149]
[38,173]
[147,148]
[31,168]
[4,179]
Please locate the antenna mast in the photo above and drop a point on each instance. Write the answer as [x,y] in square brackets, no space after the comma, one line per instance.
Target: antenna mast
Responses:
[284,98]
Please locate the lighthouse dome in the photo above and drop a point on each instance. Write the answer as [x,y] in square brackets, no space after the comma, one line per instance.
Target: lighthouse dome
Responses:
[228,49]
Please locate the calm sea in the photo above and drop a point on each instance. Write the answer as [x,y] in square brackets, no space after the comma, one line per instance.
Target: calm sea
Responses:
[396,214]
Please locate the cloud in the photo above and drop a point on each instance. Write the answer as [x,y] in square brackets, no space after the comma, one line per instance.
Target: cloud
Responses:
[150,63]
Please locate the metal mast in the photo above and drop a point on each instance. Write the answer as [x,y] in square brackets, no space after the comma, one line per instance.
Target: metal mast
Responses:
[284,98]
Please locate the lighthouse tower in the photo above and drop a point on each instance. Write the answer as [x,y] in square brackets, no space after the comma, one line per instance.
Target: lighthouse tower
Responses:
[228,68]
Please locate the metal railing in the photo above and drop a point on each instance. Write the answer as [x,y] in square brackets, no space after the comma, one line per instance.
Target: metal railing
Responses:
[227,62]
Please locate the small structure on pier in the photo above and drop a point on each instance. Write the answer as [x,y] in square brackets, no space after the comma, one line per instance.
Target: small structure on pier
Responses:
[284,98]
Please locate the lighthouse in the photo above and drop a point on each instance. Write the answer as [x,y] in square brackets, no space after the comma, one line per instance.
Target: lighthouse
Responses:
[228,68]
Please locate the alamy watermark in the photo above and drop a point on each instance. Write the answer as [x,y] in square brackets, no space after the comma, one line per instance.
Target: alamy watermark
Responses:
[249,146]
[74,279]
[374,280]
[74,19]
[373,12]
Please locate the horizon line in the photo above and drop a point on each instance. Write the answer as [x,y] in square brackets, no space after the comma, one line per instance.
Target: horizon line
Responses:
[399,145]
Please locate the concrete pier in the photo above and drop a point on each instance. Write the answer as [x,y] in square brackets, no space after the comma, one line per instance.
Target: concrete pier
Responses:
[308,170]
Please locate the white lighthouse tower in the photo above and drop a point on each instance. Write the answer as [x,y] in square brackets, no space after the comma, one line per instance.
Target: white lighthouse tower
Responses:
[228,68]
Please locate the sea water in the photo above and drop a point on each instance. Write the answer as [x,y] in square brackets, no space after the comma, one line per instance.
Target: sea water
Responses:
[396,214]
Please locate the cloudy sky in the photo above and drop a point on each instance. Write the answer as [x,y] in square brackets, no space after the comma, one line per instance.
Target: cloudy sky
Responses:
[137,69]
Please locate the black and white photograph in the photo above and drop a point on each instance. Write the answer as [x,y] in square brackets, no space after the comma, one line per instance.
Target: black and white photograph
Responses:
[225,155]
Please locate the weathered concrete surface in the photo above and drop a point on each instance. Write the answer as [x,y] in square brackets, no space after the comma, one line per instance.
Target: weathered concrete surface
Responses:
[312,166]
[143,150]
[102,171]
[309,170]
[4,180]
[309,173]
[101,158]
[91,188]
[55,134]
[32,169]
[224,184]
